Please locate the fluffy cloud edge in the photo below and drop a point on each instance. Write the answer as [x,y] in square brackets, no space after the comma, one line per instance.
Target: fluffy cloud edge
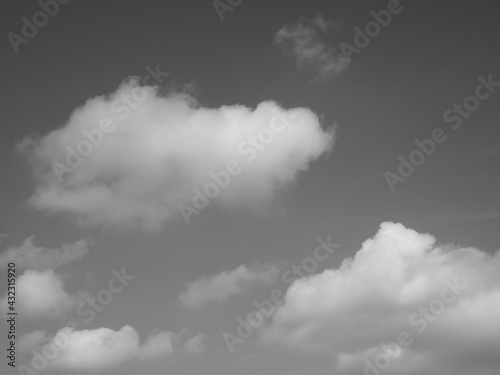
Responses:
[41,294]
[124,164]
[445,299]
[104,348]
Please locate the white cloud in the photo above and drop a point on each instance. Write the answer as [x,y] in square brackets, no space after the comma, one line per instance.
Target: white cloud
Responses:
[30,256]
[165,145]
[103,348]
[32,340]
[95,349]
[304,40]
[41,294]
[195,345]
[371,298]
[220,287]
[158,345]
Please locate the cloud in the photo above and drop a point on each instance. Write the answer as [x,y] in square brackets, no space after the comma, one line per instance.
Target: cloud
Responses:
[103,348]
[220,287]
[96,349]
[304,41]
[147,153]
[32,340]
[397,282]
[42,294]
[157,346]
[195,345]
[473,216]
[30,256]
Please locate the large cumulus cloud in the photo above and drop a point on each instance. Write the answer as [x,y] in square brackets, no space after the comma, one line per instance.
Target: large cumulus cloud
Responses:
[444,300]
[156,147]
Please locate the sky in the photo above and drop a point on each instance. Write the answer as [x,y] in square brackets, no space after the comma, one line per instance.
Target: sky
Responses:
[235,186]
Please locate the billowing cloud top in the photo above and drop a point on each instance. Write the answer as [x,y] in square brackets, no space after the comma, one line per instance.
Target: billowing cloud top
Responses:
[124,158]
[443,301]
[102,348]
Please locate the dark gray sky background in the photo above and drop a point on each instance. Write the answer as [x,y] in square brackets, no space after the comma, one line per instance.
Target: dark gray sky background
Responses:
[395,91]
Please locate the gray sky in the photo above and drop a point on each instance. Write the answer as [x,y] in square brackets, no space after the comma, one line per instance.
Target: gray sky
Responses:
[337,126]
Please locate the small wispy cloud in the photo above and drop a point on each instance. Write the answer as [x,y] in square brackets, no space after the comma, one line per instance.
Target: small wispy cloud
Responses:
[29,256]
[220,287]
[473,216]
[304,41]
[195,345]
